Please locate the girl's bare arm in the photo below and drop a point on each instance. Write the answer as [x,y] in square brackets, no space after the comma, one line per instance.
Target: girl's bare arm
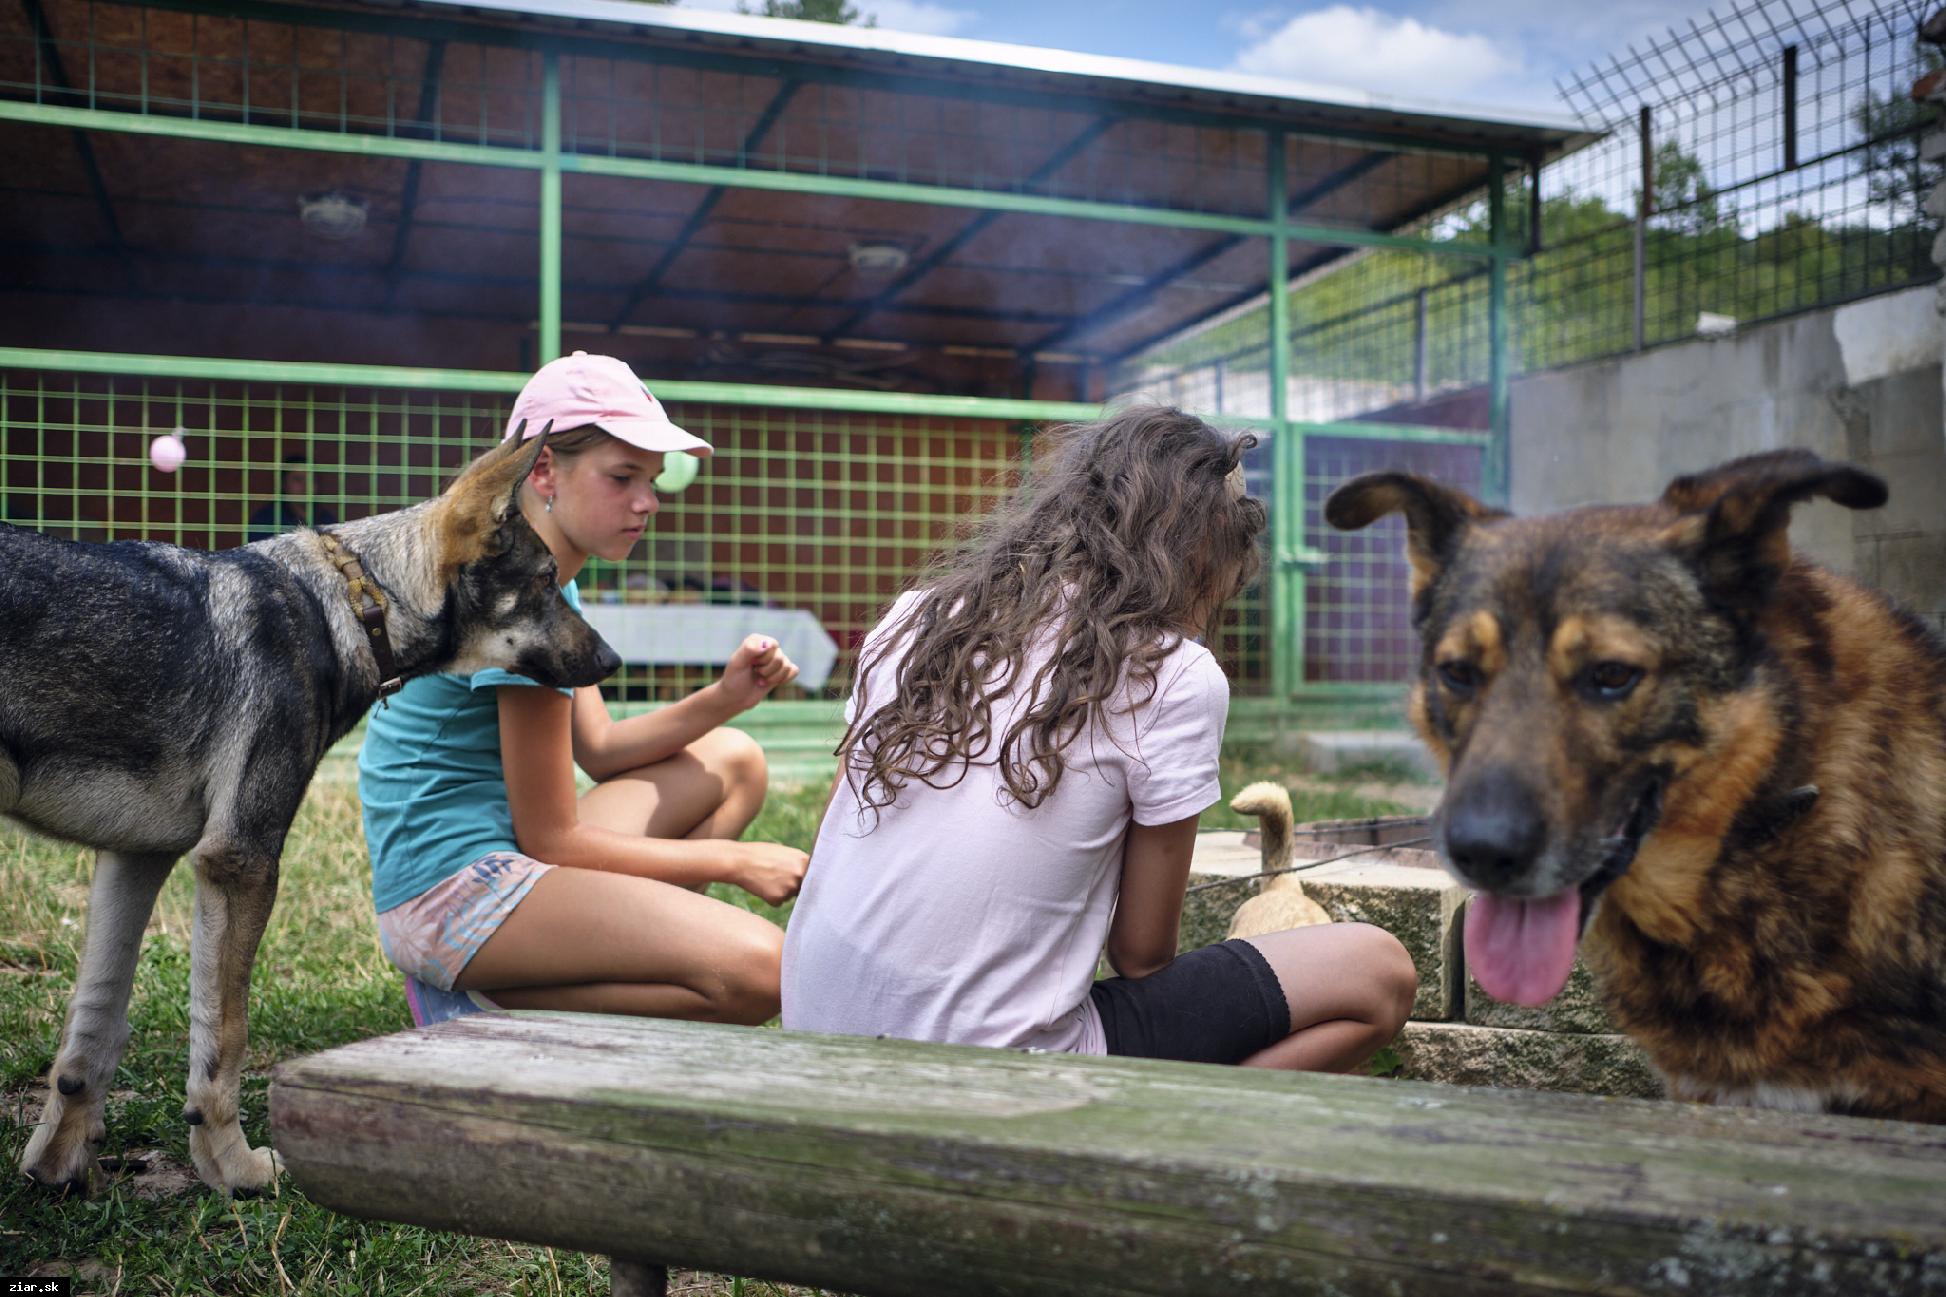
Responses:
[605,747]
[1148,917]
[535,756]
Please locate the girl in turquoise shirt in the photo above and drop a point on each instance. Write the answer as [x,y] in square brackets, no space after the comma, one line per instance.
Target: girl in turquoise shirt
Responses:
[490,874]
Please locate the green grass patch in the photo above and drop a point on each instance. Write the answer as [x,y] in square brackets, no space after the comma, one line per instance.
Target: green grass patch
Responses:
[1312,797]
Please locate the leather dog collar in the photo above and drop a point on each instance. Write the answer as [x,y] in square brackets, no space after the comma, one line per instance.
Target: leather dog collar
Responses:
[368,605]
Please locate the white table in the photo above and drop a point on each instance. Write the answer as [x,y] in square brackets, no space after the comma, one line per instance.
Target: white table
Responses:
[698,634]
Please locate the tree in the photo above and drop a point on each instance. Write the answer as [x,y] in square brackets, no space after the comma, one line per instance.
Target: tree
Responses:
[1685,200]
[816,11]
[1895,175]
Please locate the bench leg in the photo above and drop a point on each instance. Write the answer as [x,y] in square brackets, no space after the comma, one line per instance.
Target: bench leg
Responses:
[636,1278]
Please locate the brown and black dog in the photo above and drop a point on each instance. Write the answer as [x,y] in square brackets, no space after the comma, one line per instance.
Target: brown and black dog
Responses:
[1723,764]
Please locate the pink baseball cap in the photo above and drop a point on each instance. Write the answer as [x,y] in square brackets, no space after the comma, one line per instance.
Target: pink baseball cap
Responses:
[581,389]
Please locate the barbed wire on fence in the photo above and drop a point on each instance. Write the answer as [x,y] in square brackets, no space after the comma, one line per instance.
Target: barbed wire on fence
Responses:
[1782,173]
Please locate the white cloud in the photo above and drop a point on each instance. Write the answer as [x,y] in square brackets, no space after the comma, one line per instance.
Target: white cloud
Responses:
[921,17]
[1367,49]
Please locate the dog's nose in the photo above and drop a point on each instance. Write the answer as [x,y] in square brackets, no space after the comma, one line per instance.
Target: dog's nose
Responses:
[1495,831]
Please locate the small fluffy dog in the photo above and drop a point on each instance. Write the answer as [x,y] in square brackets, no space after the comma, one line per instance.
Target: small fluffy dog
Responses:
[1282,903]
[1722,764]
[157,701]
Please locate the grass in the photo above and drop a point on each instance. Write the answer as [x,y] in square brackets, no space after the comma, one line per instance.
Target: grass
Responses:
[1340,796]
[320,980]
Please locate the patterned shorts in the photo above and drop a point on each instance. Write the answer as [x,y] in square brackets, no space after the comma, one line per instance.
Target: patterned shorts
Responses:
[433,935]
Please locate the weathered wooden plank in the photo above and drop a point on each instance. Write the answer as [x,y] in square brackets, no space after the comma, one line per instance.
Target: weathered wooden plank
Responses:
[887,1167]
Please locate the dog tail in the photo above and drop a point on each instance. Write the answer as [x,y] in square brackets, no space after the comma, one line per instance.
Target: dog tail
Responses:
[1272,807]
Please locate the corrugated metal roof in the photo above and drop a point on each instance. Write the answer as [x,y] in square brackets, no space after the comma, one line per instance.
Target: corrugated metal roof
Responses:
[1298,104]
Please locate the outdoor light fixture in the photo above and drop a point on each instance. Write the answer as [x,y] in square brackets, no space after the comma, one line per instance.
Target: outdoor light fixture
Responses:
[334,215]
[877,258]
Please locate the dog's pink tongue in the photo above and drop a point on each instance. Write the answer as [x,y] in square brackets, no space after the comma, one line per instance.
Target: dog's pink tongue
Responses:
[1522,950]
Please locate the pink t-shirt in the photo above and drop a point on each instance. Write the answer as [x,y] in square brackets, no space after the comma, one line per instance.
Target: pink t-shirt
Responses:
[962,916]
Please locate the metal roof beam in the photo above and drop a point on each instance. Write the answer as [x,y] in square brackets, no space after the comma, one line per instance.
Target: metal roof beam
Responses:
[409,193]
[693,173]
[1066,154]
[991,315]
[1299,270]
[1126,302]
[649,282]
[48,52]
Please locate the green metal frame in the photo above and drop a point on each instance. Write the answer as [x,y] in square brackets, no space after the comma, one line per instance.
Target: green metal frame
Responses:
[1287,452]
[700,173]
[1290,558]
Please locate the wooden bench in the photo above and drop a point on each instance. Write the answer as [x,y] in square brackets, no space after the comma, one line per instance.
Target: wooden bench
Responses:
[887,1167]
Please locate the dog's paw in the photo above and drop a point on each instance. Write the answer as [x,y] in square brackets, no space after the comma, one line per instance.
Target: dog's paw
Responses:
[230,1165]
[59,1157]
[262,1167]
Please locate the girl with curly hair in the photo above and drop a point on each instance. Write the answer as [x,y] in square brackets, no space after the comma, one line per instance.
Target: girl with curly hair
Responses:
[1033,731]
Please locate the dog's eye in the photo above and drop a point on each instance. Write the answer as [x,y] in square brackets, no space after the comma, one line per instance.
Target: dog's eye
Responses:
[1612,681]
[1460,677]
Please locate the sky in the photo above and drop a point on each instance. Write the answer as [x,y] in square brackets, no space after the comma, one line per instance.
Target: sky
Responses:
[1494,53]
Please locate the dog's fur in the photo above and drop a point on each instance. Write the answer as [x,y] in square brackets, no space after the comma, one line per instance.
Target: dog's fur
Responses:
[156,701]
[1735,757]
[1282,903]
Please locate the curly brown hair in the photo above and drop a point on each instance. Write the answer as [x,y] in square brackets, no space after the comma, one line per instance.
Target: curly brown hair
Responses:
[1131,534]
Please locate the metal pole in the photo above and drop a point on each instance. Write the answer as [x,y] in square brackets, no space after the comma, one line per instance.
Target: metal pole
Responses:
[1642,212]
[1287,451]
[1495,477]
[1420,344]
[550,340]
[1535,235]
[1790,108]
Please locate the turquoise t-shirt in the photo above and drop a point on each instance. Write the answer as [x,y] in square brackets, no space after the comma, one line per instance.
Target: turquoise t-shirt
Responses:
[429,776]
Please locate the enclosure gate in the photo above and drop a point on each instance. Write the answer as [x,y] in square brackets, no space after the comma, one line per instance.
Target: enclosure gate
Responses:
[822,499]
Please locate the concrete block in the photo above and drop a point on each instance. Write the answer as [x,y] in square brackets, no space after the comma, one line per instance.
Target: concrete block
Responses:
[1577,1009]
[1888,337]
[1462,1054]
[1417,904]
[1912,569]
[1918,482]
[1399,889]
[1330,751]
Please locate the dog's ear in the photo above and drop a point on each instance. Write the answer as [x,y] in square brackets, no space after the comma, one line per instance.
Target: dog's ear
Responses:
[524,460]
[482,500]
[1435,516]
[489,487]
[1734,518]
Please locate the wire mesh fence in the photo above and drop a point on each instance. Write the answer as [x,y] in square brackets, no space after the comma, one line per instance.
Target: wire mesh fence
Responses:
[160,243]
[1764,160]
[1760,162]
[804,517]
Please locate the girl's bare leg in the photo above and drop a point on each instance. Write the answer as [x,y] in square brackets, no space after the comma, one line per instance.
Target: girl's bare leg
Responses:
[711,789]
[587,939]
[1350,988]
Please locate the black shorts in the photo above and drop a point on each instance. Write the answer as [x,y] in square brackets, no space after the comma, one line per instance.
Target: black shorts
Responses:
[1220,1004]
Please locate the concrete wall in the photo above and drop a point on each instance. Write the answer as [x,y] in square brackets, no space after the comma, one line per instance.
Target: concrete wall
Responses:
[1859,382]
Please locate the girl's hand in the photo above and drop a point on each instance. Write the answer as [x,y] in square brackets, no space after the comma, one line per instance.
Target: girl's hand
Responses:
[770,871]
[757,667]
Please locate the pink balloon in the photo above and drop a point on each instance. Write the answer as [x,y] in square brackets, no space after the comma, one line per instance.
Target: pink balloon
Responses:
[167,453]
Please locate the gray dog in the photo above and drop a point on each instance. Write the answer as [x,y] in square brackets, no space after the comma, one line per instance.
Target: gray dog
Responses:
[156,701]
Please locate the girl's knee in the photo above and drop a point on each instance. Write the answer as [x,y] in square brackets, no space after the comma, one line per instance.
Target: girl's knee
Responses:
[1390,974]
[751,972]
[740,760]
